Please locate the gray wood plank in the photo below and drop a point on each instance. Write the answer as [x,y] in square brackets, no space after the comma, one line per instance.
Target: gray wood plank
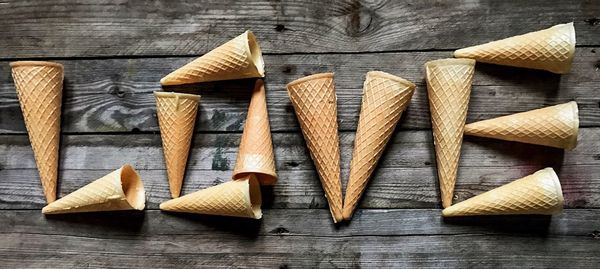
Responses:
[297,238]
[405,178]
[36,28]
[114,95]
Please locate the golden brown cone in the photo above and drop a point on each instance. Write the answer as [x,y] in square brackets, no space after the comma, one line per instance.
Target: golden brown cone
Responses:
[256,147]
[176,117]
[550,49]
[385,97]
[554,126]
[121,189]
[448,90]
[538,193]
[39,87]
[238,58]
[237,198]
[314,101]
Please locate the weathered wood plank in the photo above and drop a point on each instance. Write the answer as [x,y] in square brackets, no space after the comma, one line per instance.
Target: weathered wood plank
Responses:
[297,222]
[37,28]
[405,178]
[114,95]
[400,238]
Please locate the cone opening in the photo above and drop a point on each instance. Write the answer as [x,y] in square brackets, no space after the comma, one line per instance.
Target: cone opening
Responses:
[573,139]
[36,63]
[311,77]
[389,76]
[177,95]
[132,186]
[255,53]
[255,196]
[551,174]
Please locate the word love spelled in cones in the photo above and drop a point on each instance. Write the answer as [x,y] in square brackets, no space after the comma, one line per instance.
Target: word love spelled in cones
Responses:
[122,189]
[385,97]
[39,88]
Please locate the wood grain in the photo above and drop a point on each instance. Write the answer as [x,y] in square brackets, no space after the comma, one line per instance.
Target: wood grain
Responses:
[115,95]
[35,28]
[405,178]
[297,238]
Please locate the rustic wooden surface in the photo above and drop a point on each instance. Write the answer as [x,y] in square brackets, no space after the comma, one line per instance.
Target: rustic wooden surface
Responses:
[115,52]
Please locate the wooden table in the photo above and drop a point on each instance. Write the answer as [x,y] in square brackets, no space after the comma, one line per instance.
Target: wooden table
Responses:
[115,52]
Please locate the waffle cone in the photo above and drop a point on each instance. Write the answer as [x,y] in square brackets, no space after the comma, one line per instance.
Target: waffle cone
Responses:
[238,58]
[314,101]
[539,193]
[121,189]
[39,87]
[237,198]
[256,147]
[176,116]
[554,126]
[550,49]
[384,99]
[448,90]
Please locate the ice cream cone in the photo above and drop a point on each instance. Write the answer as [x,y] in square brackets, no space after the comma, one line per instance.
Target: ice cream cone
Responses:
[176,116]
[39,87]
[314,101]
[121,189]
[539,193]
[256,147]
[550,49]
[237,198]
[554,126]
[448,90]
[238,58]
[384,99]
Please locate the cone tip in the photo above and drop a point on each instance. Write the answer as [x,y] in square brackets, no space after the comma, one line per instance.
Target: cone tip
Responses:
[385,75]
[36,63]
[310,77]
[448,212]
[347,213]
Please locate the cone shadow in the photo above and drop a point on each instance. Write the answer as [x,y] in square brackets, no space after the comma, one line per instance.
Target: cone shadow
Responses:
[533,225]
[246,227]
[531,79]
[536,156]
[237,89]
[101,222]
